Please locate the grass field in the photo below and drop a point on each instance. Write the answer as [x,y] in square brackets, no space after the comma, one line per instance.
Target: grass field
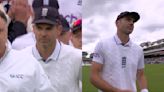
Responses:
[154,74]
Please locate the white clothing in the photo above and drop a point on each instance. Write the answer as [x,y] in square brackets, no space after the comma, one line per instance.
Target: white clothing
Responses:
[120,62]
[62,67]
[24,41]
[21,73]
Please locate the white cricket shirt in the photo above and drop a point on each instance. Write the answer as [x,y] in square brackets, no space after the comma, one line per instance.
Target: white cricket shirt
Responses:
[62,67]
[120,63]
[21,73]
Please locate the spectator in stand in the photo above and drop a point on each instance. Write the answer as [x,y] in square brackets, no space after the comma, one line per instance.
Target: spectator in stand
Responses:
[19,12]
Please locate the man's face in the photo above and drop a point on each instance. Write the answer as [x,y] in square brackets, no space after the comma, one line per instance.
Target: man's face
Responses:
[3,32]
[77,39]
[125,25]
[65,37]
[46,34]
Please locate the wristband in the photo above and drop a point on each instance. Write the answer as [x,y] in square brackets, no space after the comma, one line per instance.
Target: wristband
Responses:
[144,90]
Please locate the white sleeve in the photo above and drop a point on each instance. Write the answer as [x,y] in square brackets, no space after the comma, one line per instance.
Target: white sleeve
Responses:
[80,79]
[98,54]
[141,61]
[79,69]
[42,81]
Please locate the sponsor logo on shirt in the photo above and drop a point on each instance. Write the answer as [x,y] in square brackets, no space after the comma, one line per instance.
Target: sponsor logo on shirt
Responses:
[17,76]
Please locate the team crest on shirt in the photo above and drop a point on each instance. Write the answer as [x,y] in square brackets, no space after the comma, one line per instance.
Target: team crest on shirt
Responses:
[124,62]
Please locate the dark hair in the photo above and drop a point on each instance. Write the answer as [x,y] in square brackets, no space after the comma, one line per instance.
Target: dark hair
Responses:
[3,16]
[78,30]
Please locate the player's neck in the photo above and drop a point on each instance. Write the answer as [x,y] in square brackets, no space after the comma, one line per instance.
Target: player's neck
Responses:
[45,51]
[2,51]
[123,37]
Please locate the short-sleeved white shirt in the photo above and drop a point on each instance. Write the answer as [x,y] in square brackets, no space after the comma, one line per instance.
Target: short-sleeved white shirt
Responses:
[62,67]
[120,62]
[19,73]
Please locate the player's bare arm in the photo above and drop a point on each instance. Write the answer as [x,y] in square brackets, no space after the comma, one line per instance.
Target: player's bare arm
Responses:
[97,81]
[141,79]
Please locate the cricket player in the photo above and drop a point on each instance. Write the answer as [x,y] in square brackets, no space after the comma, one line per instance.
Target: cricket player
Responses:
[62,63]
[19,72]
[117,61]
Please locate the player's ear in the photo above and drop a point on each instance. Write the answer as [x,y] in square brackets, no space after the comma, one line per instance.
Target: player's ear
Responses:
[34,28]
[117,22]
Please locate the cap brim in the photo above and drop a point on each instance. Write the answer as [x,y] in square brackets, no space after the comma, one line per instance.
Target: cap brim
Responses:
[45,21]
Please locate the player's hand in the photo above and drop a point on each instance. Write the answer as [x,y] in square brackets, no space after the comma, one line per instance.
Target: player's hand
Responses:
[20,11]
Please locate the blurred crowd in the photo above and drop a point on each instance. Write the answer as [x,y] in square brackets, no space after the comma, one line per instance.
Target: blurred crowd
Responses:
[20,15]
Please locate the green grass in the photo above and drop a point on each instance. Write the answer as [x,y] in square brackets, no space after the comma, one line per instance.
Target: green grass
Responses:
[154,74]
[87,86]
[155,77]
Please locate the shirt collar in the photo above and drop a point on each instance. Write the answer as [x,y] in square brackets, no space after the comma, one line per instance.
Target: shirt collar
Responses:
[56,51]
[118,41]
[54,56]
